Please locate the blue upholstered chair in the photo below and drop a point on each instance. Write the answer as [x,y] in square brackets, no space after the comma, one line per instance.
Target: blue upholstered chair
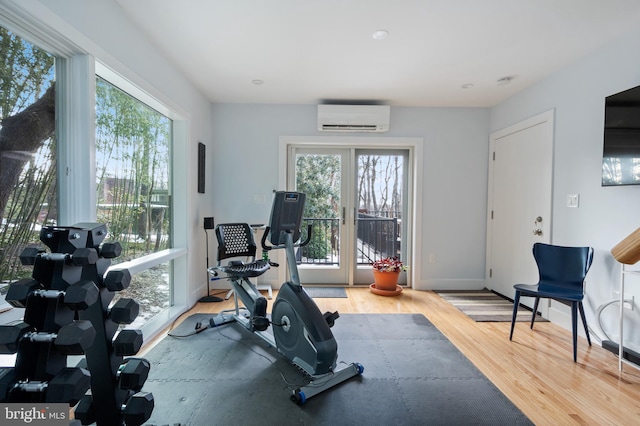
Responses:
[562,272]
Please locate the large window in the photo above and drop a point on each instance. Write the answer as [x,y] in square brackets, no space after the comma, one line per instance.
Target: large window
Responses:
[43,182]
[28,189]
[133,188]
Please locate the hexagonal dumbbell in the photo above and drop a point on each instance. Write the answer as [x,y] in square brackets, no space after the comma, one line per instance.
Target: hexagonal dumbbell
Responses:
[7,380]
[84,410]
[11,334]
[68,386]
[29,254]
[71,339]
[138,409]
[78,296]
[75,338]
[110,250]
[124,311]
[117,280]
[81,295]
[19,292]
[80,257]
[127,342]
[132,374]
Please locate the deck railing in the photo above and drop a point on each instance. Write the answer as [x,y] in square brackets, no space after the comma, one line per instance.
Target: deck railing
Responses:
[377,237]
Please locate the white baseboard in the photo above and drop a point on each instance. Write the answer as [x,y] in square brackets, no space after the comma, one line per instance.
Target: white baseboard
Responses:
[450,284]
[560,315]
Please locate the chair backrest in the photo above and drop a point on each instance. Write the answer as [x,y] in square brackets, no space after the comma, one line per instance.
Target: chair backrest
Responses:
[561,266]
[235,240]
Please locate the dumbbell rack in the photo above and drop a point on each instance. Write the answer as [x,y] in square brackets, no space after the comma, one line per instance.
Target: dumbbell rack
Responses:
[71,285]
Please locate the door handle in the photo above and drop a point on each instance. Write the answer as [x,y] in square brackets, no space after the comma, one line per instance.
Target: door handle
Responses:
[537,232]
[344,215]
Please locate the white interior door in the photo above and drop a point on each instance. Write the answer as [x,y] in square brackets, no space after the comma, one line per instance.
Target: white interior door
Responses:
[520,187]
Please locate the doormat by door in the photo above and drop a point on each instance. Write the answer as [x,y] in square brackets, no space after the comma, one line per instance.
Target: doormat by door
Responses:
[486,306]
[326,292]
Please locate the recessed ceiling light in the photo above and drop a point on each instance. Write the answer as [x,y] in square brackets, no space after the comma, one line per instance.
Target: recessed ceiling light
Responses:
[503,81]
[257,82]
[467,86]
[380,34]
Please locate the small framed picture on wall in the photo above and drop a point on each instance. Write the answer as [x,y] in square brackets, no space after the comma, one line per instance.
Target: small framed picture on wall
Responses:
[202,155]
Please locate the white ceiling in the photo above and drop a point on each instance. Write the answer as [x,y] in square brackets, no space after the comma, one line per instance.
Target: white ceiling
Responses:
[309,52]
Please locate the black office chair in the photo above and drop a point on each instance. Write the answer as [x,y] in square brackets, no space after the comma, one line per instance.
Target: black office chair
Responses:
[562,272]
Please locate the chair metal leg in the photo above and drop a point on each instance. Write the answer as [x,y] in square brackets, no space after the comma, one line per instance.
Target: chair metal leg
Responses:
[516,302]
[574,329]
[535,311]
[584,322]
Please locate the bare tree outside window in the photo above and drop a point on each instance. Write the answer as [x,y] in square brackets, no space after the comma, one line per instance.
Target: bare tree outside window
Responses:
[28,190]
[379,205]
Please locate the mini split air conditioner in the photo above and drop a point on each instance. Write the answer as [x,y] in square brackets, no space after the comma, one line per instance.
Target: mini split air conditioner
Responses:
[353,118]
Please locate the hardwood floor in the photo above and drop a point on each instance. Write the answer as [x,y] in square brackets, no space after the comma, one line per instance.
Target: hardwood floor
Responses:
[535,370]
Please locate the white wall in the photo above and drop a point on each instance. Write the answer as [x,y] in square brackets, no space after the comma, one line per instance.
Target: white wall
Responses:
[453,192]
[606,215]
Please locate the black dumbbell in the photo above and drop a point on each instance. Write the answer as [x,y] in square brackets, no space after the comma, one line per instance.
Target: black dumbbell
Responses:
[110,250]
[136,411]
[80,257]
[117,280]
[68,386]
[78,296]
[84,410]
[124,311]
[127,342]
[138,408]
[81,295]
[133,373]
[19,292]
[71,339]
[7,379]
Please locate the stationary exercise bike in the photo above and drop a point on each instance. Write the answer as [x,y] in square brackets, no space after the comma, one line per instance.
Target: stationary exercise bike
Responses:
[300,332]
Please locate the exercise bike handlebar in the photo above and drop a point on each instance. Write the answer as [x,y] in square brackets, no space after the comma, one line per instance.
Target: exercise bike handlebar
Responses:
[266,247]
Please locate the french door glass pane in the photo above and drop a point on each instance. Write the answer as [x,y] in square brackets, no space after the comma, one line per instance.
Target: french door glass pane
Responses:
[380,206]
[133,188]
[318,176]
[28,191]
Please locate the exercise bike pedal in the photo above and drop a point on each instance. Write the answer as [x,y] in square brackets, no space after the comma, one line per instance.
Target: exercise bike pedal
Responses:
[331,317]
[259,319]
[260,323]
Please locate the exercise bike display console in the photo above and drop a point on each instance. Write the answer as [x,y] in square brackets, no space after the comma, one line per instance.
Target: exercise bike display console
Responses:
[301,333]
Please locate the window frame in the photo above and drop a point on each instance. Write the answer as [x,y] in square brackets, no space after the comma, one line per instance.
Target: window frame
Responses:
[76,71]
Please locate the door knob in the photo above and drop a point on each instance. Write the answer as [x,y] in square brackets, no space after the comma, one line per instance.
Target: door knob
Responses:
[537,232]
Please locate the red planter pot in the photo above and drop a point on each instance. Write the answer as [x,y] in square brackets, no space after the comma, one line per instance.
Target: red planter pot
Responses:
[386,281]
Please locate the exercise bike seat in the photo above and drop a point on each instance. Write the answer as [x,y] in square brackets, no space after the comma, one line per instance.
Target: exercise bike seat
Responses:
[236,240]
[240,269]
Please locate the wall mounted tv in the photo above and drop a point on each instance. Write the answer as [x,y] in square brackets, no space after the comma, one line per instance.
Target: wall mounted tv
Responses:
[621,153]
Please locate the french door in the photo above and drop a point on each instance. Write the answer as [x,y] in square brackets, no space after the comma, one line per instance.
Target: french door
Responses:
[356,200]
